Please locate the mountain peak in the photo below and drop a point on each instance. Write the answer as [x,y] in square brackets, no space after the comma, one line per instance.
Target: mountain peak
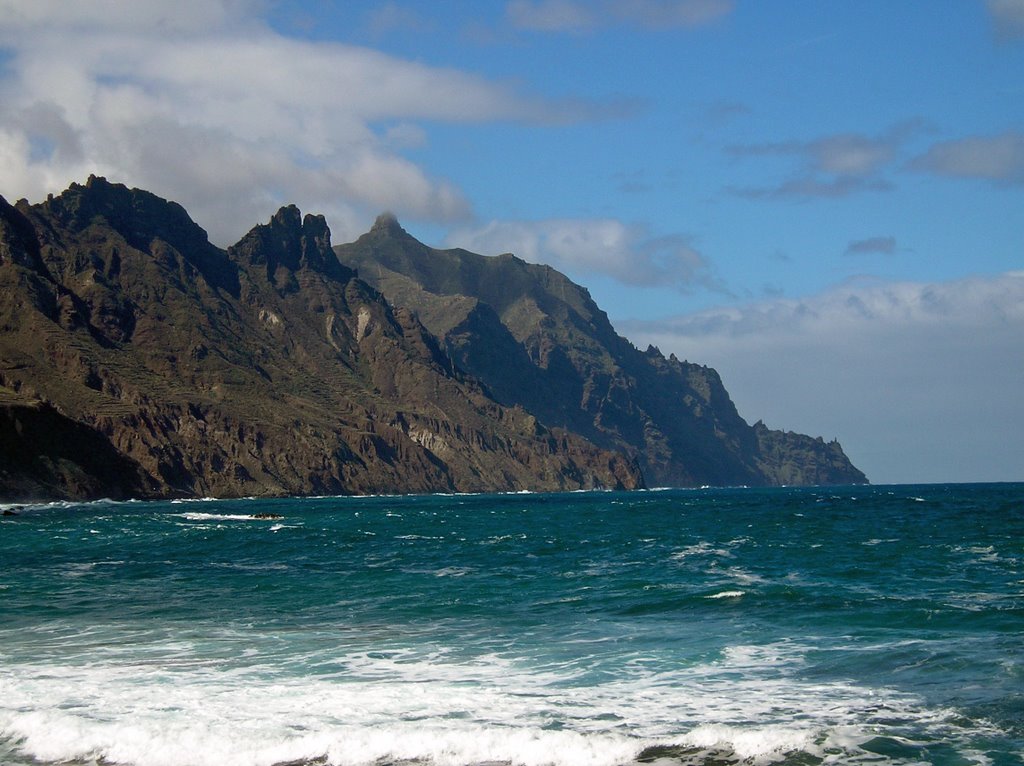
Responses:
[387,223]
[288,217]
[294,242]
[142,219]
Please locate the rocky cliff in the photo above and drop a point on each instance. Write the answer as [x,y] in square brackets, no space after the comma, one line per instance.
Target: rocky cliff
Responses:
[538,341]
[138,360]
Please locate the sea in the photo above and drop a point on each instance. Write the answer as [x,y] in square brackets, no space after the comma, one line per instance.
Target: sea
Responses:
[843,625]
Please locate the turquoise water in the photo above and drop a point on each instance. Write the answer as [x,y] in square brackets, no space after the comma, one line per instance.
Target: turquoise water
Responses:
[867,625]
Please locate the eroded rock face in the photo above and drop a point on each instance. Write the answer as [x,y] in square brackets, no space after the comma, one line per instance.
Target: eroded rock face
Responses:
[268,369]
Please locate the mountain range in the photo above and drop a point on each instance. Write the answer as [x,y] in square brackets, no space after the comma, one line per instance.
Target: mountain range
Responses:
[137,359]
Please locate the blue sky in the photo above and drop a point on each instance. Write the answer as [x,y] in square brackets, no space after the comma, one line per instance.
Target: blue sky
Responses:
[824,201]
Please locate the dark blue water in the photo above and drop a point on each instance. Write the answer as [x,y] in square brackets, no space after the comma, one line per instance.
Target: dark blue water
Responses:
[875,625]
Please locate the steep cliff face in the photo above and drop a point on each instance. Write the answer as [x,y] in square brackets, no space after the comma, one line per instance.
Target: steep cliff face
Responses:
[537,340]
[268,369]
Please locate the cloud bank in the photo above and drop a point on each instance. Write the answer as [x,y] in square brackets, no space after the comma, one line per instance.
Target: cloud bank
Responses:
[1008,17]
[883,245]
[627,253]
[999,159]
[203,103]
[841,165]
[925,377]
[831,166]
[574,16]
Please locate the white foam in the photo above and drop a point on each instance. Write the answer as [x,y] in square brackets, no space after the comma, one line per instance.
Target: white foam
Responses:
[58,505]
[452,572]
[743,577]
[727,594]
[197,516]
[702,548]
[166,704]
[216,723]
[753,743]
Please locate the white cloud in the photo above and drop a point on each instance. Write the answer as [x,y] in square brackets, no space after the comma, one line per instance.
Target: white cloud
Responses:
[205,104]
[628,253]
[990,158]
[1008,17]
[851,154]
[844,164]
[670,13]
[926,377]
[576,16]
[884,245]
[115,15]
[806,187]
[391,17]
[551,15]
[831,166]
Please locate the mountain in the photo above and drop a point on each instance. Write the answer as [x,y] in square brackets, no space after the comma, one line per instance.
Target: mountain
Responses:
[139,360]
[537,340]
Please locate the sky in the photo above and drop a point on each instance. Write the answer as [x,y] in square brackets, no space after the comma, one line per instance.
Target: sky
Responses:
[822,200]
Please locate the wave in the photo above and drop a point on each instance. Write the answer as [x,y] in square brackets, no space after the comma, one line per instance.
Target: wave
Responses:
[702,548]
[513,631]
[60,505]
[422,706]
[198,516]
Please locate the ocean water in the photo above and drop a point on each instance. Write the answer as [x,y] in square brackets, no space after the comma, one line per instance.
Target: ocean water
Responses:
[860,625]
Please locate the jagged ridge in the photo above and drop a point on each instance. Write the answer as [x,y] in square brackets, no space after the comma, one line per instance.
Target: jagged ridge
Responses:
[273,368]
[266,369]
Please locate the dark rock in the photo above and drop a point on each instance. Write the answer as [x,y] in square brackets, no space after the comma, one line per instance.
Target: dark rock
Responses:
[18,242]
[46,455]
[287,244]
[143,221]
